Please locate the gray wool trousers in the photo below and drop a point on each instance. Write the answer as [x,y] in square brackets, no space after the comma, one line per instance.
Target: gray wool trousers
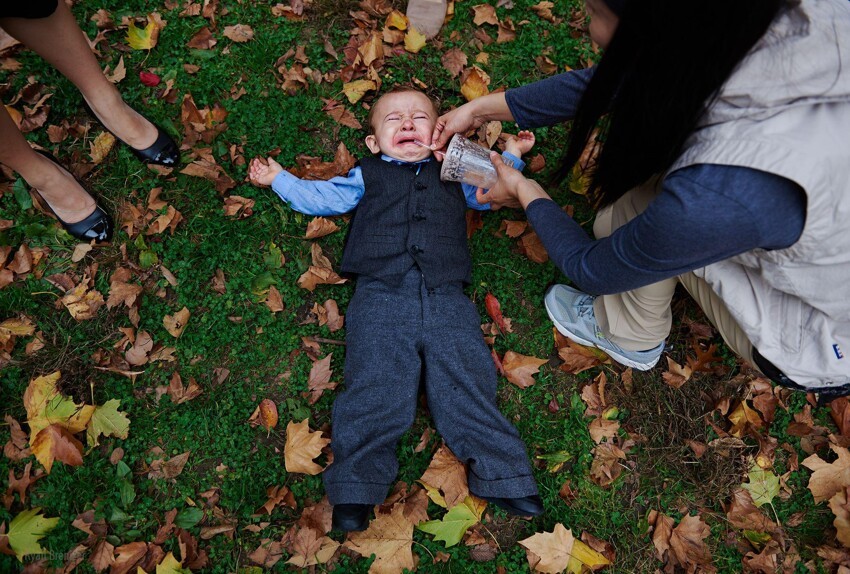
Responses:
[395,338]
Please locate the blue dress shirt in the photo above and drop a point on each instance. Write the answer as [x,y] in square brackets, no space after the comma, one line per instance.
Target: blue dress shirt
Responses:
[341,194]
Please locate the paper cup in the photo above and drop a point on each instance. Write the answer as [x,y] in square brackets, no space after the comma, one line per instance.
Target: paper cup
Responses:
[468,162]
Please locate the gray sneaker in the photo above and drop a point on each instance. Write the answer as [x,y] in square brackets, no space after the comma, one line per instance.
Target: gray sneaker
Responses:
[572,313]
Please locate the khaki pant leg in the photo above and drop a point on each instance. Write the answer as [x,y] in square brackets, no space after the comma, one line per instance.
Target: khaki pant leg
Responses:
[717,312]
[640,319]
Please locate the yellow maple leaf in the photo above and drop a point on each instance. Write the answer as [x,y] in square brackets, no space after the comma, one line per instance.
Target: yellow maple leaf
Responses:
[414,40]
[101,146]
[741,417]
[397,20]
[56,443]
[390,538]
[357,89]
[45,406]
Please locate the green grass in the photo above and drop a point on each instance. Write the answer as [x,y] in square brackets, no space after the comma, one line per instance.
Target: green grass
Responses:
[261,350]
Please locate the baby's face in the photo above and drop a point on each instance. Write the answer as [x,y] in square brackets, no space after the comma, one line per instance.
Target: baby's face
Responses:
[400,119]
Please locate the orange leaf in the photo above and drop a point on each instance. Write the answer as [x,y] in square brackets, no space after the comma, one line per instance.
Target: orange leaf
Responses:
[494,310]
[268,414]
[319,379]
[520,368]
[448,475]
[56,443]
[319,227]
[828,478]
[474,83]
[175,324]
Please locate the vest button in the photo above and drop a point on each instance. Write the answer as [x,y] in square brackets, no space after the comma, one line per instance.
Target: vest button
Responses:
[419,185]
[416,250]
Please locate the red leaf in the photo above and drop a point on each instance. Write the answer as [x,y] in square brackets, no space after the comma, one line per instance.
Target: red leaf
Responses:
[149,79]
[494,309]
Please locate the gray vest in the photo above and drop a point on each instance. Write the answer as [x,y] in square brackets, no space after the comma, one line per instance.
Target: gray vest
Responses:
[407,218]
[786,110]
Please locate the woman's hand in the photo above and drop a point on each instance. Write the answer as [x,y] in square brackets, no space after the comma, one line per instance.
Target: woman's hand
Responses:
[511,190]
[469,116]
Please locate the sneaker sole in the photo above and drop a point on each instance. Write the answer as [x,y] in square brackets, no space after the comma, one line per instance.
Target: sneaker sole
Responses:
[614,355]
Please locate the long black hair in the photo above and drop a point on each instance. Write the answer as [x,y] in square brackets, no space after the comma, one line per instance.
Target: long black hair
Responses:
[665,63]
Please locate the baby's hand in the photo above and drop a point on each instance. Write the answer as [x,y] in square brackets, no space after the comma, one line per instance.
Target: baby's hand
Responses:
[520,143]
[263,171]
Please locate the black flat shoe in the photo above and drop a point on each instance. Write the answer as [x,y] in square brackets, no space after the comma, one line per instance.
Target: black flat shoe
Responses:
[163,151]
[351,517]
[97,226]
[525,506]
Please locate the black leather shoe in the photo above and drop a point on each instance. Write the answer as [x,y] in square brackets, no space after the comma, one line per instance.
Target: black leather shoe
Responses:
[97,226]
[351,517]
[164,150]
[525,506]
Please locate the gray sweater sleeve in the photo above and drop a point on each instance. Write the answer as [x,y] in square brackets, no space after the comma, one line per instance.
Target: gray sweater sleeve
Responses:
[704,214]
[550,101]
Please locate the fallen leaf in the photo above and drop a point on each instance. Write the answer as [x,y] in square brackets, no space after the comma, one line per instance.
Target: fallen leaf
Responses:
[520,368]
[46,406]
[533,248]
[559,551]
[106,420]
[175,324]
[302,446]
[268,414]
[390,538]
[474,83]
[56,443]
[319,379]
[828,478]
[26,529]
[840,506]
[454,61]
[357,89]
[676,375]
[144,38]
[414,40]
[485,14]
[763,485]
[451,528]
[445,479]
[494,310]
[81,302]
[277,496]
[319,227]
[238,206]
[239,33]
[101,146]
[310,548]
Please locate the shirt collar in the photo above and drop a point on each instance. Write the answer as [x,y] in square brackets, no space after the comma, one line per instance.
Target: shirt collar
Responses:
[385,157]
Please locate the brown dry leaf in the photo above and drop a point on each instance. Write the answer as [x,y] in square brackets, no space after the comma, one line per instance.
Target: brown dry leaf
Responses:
[743,514]
[302,446]
[81,302]
[268,414]
[175,324]
[606,466]
[704,359]
[474,83]
[239,33]
[601,428]
[341,114]
[128,557]
[319,227]
[137,355]
[578,358]
[203,40]
[277,496]
[447,475]
[390,538]
[454,61]
[102,556]
[268,553]
[310,547]
[544,10]
[319,276]
[828,478]
[56,443]
[333,319]
[676,375]
[485,14]
[120,291]
[320,378]
[168,468]
[180,394]
[531,246]
[211,171]
[687,545]
[16,447]
[20,485]
[513,229]
[507,31]
[519,369]
[274,301]
[238,206]
[313,168]
[840,506]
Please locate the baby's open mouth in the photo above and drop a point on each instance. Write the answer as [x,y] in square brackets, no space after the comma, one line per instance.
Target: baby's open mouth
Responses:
[408,140]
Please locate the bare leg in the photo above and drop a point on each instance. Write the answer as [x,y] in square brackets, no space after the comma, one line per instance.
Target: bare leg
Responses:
[59,188]
[59,40]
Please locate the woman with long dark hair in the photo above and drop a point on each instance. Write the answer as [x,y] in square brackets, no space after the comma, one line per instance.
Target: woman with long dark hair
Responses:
[725,165]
